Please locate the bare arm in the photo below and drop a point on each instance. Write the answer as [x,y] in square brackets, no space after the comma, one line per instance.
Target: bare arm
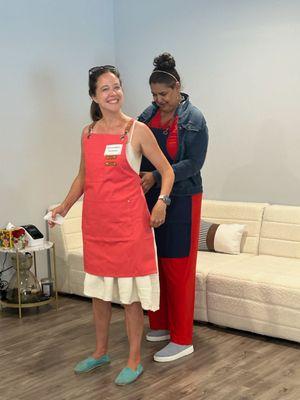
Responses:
[76,189]
[149,147]
[77,186]
[151,150]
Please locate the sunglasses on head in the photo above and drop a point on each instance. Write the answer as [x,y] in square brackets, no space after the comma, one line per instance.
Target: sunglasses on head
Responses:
[102,68]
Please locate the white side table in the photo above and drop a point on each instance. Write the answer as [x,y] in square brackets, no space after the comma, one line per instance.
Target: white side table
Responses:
[32,249]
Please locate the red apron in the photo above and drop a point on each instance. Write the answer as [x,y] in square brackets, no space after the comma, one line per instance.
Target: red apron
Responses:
[117,238]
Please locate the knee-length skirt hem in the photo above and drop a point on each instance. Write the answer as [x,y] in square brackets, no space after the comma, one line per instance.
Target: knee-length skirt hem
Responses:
[143,289]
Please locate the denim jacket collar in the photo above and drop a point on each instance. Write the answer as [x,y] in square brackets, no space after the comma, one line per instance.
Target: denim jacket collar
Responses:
[186,118]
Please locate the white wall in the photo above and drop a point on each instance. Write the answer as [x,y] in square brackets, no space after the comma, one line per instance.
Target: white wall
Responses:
[240,62]
[47,48]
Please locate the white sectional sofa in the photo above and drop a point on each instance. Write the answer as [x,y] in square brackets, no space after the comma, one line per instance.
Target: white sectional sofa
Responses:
[257,290]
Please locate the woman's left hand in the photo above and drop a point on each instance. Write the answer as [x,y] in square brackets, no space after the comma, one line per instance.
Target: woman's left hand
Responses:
[158,214]
[148,181]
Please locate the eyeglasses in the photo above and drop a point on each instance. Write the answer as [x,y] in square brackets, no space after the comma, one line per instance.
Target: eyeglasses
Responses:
[102,68]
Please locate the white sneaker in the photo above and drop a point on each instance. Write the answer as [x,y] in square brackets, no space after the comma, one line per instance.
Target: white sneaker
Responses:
[157,335]
[173,351]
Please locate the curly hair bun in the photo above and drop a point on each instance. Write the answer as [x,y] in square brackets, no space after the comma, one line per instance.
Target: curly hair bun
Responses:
[164,62]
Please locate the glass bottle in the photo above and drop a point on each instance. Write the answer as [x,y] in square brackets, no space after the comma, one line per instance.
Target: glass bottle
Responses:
[30,289]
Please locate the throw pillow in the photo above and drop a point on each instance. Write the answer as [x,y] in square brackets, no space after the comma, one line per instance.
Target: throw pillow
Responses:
[221,238]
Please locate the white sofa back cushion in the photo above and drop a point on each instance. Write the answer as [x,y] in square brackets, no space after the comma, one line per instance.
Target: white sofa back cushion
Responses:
[280,233]
[68,236]
[230,212]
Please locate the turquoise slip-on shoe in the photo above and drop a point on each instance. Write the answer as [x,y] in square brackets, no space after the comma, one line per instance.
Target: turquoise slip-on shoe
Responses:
[128,375]
[91,363]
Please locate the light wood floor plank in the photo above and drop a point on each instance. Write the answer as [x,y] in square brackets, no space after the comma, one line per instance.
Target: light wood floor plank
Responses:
[38,353]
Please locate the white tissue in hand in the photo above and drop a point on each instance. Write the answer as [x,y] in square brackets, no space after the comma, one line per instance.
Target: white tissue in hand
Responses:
[58,218]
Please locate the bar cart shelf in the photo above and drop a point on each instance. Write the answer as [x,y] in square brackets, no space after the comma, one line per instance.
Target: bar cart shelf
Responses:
[32,249]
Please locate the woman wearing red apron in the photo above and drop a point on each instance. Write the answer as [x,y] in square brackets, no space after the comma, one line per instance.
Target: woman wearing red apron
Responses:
[118,241]
[181,132]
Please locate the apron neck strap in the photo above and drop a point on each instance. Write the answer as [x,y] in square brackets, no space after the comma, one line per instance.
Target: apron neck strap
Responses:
[127,129]
[91,127]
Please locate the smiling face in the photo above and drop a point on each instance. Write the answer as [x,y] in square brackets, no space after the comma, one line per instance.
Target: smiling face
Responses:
[109,94]
[166,97]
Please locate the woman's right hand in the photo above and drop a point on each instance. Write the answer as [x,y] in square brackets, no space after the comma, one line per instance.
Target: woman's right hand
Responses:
[57,210]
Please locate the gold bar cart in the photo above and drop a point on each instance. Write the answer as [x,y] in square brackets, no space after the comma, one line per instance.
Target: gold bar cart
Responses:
[33,249]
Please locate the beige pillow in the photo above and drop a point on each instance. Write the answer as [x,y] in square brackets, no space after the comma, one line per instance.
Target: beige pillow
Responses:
[221,238]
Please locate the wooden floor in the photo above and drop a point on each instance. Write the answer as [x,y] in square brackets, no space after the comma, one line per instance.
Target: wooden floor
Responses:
[37,355]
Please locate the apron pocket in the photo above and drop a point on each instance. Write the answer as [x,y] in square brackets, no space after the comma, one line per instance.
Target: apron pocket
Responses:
[108,221]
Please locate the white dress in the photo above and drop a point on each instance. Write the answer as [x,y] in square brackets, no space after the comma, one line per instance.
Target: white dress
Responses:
[143,289]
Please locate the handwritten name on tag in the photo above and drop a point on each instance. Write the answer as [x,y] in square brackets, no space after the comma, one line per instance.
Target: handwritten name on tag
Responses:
[113,149]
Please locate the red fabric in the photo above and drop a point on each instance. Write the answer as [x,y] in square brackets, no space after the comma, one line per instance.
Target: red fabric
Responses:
[177,287]
[172,140]
[117,238]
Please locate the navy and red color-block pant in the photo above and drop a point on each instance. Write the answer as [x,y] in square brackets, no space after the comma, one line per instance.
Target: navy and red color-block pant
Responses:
[177,287]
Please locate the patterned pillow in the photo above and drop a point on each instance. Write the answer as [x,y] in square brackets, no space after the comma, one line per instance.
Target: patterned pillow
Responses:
[221,238]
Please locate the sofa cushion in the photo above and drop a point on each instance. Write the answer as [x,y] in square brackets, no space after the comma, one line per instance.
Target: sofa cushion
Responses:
[75,260]
[280,233]
[77,282]
[262,295]
[67,236]
[230,212]
[222,238]
[206,263]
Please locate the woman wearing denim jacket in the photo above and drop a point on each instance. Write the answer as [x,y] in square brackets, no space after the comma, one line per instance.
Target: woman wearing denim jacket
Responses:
[182,135]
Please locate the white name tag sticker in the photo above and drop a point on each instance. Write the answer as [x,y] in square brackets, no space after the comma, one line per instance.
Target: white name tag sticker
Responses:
[113,149]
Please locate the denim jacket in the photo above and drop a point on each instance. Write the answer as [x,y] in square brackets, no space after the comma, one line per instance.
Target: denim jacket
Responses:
[192,147]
